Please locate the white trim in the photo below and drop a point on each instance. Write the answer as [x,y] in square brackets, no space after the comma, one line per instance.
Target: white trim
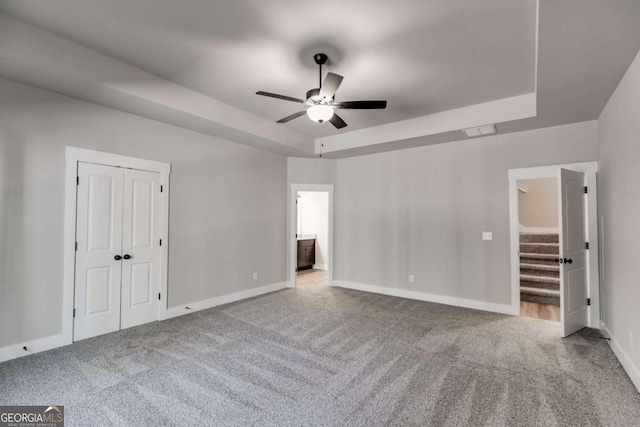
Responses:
[590,170]
[626,361]
[110,159]
[73,155]
[319,266]
[552,170]
[225,299]
[293,243]
[423,296]
[15,351]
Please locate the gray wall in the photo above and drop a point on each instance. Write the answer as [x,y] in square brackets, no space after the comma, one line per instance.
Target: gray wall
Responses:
[311,171]
[227,207]
[538,206]
[422,211]
[619,144]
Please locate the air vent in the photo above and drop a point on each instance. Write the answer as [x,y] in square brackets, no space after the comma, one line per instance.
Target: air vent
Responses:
[480,130]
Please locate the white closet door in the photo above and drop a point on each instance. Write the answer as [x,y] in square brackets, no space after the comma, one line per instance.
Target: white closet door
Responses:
[99,239]
[141,248]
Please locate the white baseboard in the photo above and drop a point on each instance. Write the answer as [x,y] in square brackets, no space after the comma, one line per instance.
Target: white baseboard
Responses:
[15,351]
[423,296]
[47,343]
[319,266]
[626,362]
[224,299]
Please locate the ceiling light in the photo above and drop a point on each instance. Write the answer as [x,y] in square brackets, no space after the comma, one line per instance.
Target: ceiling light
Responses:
[320,113]
[480,130]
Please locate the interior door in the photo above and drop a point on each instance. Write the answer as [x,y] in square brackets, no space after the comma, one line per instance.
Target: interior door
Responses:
[99,240]
[573,289]
[141,259]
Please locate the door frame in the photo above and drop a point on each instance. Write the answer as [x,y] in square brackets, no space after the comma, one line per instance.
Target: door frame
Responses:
[590,170]
[73,155]
[293,219]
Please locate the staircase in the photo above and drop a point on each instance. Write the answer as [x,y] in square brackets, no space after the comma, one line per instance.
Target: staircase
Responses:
[539,273]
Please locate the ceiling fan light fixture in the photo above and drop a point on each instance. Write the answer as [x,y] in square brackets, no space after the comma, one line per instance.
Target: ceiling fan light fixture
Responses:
[320,113]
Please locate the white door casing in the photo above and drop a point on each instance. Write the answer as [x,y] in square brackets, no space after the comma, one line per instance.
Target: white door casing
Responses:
[141,249]
[573,292]
[99,240]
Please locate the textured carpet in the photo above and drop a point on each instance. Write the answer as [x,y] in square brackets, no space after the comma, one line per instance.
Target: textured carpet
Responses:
[316,355]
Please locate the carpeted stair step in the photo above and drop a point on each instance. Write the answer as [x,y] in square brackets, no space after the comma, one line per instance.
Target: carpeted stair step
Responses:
[545,270]
[540,248]
[545,259]
[538,238]
[540,296]
[540,282]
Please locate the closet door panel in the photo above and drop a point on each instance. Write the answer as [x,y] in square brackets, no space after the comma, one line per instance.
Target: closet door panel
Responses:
[141,247]
[99,241]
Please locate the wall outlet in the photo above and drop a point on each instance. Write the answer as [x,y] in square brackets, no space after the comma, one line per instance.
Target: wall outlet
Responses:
[631,337]
[411,278]
[487,235]
[255,276]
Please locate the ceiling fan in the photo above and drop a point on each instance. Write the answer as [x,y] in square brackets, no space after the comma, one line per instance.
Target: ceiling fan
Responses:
[321,101]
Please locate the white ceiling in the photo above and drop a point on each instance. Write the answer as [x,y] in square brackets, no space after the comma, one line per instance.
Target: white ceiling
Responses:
[422,56]
[191,62]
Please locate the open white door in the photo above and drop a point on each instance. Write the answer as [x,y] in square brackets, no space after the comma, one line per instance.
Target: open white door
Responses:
[142,256]
[573,284]
[99,245]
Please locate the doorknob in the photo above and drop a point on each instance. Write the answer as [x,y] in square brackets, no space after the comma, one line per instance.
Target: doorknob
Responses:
[117,257]
[127,256]
[568,261]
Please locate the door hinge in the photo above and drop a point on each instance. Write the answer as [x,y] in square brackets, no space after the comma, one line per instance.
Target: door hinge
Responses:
[161,188]
[74,312]
[76,246]
[586,245]
[159,294]
[77,180]
[586,190]
[160,242]
[588,301]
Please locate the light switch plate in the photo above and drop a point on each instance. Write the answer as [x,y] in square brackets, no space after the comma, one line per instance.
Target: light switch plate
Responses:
[411,278]
[487,235]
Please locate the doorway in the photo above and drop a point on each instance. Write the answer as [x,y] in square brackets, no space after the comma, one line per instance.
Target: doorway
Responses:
[312,230]
[539,248]
[311,243]
[119,210]
[554,244]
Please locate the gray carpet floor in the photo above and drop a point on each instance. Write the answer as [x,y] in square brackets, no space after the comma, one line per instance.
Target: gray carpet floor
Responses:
[317,355]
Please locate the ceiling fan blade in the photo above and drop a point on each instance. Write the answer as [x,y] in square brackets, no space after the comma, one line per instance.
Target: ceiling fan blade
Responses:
[330,85]
[275,95]
[337,121]
[292,116]
[361,105]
